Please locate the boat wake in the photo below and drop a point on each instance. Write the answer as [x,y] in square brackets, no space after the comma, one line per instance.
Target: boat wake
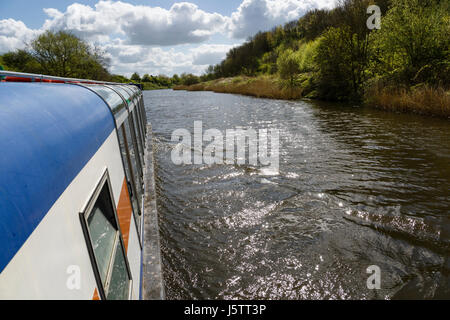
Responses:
[432,232]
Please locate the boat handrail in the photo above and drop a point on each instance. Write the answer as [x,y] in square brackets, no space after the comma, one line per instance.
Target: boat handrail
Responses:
[44,78]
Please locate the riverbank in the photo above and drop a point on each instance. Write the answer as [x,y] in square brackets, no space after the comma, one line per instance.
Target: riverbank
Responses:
[421,100]
[153,86]
[260,87]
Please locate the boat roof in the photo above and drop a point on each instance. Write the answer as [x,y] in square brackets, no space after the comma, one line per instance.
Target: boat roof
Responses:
[48,133]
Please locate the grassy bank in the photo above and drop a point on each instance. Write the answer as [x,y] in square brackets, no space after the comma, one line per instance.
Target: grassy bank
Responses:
[422,100]
[261,87]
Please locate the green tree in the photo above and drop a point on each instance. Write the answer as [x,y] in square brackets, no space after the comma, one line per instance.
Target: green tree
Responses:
[97,64]
[413,43]
[21,61]
[307,52]
[135,77]
[63,54]
[343,53]
[164,81]
[289,66]
[189,79]
[339,77]
[146,78]
[119,78]
[176,79]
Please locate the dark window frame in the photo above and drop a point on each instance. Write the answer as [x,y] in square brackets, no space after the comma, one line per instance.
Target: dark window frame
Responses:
[84,215]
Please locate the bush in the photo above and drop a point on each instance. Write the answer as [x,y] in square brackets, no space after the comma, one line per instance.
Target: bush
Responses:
[413,43]
[333,59]
[189,79]
[289,67]
[307,53]
[22,61]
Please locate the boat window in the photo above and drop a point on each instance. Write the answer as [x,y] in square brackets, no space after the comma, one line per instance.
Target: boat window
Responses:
[138,134]
[106,245]
[135,163]
[134,94]
[119,285]
[114,101]
[124,93]
[134,149]
[139,119]
[134,88]
[143,114]
[140,124]
[130,91]
[103,235]
[124,149]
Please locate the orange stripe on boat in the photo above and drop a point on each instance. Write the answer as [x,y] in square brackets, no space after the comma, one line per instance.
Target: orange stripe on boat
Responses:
[96,297]
[124,213]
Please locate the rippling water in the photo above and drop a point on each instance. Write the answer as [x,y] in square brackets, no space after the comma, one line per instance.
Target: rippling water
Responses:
[357,188]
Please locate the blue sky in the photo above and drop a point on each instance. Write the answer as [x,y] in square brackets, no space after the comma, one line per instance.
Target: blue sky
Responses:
[150,36]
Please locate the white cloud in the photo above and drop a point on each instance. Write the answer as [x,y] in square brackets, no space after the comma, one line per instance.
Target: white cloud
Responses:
[262,15]
[128,58]
[157,40]
[207,54]
[183,23]
[140,25]
[14,35]
[82,21]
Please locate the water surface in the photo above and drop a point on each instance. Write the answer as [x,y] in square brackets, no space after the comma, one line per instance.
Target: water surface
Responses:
[357,187]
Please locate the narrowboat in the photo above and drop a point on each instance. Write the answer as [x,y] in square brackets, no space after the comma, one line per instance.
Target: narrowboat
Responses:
[71,188]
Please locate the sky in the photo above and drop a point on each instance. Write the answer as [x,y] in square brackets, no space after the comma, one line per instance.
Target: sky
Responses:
[151,36]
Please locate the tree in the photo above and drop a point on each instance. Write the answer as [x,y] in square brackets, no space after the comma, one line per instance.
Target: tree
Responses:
[336,80]
[164,81]
[98,63]
[176,79]
[63,54]
[307,52]
[119,78]
[22,61]
[413,43]
[189,79]
[135,77]
[343,53]
[146,78]
[288,67]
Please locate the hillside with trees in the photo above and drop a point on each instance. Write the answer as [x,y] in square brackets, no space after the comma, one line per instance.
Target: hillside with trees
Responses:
[333,55]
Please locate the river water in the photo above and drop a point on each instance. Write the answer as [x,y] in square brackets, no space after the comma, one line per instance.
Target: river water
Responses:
[357,188]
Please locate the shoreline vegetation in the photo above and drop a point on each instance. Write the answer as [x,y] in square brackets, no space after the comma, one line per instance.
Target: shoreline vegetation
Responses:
[422,100]
[260,87]
[401,63]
